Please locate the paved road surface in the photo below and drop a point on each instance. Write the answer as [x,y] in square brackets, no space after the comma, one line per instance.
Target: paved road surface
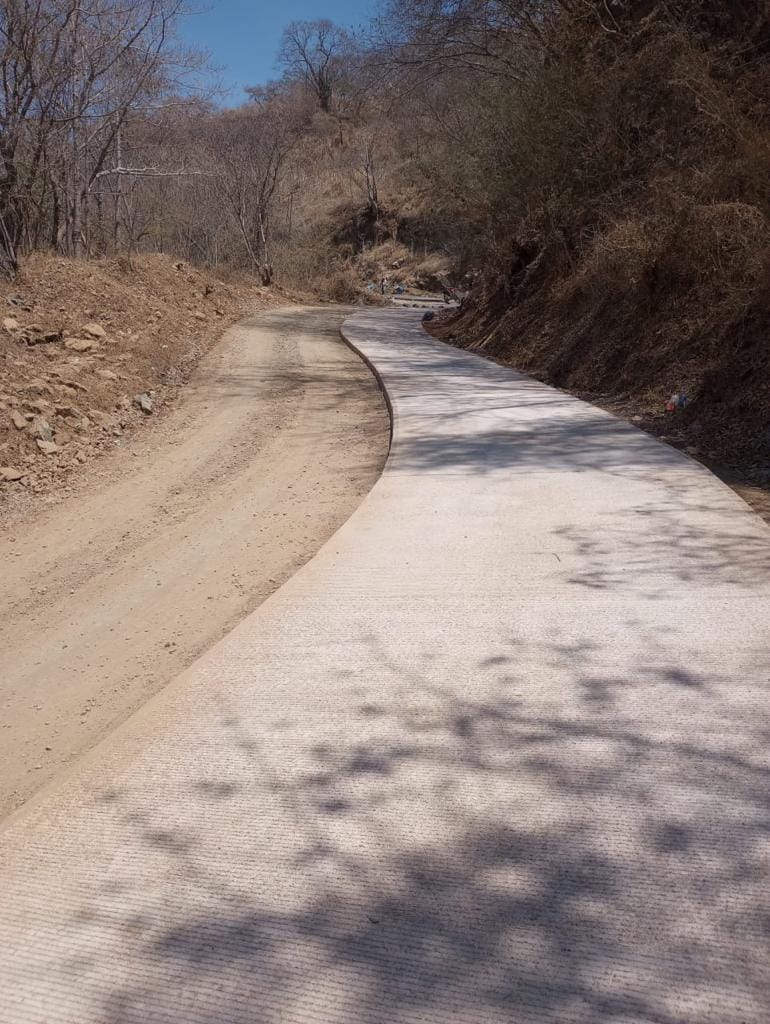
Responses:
[499,753]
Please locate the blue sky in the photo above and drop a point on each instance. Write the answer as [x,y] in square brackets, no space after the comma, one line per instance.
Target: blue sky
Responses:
[243,35]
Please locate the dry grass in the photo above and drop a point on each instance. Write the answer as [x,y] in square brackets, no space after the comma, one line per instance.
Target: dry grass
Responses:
[634,260]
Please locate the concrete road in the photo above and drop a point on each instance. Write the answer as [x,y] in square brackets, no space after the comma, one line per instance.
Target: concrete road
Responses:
[498,753]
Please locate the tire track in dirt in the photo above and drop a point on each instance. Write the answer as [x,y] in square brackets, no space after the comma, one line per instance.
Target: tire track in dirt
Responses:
[110,594]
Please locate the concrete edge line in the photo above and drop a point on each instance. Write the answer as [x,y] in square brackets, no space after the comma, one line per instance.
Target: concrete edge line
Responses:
[380,383]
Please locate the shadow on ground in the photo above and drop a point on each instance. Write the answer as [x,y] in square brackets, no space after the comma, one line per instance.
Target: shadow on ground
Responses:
[569,832]
[497,857]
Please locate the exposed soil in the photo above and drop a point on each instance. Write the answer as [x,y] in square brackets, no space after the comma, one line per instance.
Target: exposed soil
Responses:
[80,342]
[174,537]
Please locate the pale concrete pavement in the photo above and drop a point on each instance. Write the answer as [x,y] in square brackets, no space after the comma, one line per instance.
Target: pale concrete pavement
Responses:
[499,753]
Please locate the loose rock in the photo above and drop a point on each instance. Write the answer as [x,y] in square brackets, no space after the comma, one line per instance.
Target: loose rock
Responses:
[79,344]
[95,331]
[144,402]
[67,411]
[72,384]
[39,405]
[41,429]
[10,325]
[47,447]
[9,473]
[102,419]
[18,420]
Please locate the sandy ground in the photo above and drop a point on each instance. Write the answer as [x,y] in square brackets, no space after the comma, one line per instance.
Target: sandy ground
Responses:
[110,594]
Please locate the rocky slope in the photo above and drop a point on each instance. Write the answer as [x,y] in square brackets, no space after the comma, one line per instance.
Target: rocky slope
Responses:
[91,351]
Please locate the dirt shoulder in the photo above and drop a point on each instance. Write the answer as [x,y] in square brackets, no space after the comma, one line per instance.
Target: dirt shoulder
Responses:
[89,350]
[178,534]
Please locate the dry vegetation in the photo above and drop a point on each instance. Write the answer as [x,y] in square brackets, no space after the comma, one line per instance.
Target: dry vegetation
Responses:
[630,257]
[595,174]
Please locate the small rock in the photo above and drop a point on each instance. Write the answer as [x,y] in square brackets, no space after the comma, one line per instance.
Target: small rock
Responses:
[199,316]
[41,429]
[10,324]
[39,405]
[144,402]
[107,375]
[73,384]
[67,411]
[79,344]
[9,473]
[95,331]
[102,419]
[47,447]
[18,420]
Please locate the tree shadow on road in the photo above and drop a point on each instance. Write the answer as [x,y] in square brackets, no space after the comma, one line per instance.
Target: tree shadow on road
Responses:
[572,831]
[470,850]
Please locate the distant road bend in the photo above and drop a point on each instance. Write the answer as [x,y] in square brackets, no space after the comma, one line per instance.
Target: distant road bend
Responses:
[498,753]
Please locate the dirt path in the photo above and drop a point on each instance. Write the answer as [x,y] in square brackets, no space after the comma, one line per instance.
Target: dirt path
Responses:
[109,595]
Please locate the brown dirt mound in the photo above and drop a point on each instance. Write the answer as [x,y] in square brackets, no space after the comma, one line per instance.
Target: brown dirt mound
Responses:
[82,342]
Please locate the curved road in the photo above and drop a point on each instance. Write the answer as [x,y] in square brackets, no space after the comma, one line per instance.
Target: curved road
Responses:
[499,753]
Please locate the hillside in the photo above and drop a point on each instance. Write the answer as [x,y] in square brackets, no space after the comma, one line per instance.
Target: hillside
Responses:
[92,351]
[637,205]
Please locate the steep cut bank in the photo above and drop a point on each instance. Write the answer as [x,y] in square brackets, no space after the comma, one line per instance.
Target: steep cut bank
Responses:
[636,265]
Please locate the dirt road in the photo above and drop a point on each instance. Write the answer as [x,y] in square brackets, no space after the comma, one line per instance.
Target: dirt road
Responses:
[109,595]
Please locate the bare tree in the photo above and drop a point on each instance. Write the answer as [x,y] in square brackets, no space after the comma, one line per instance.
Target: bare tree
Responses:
[72,74]
[33,35]
[498,38]
[316,51]
[252,147]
